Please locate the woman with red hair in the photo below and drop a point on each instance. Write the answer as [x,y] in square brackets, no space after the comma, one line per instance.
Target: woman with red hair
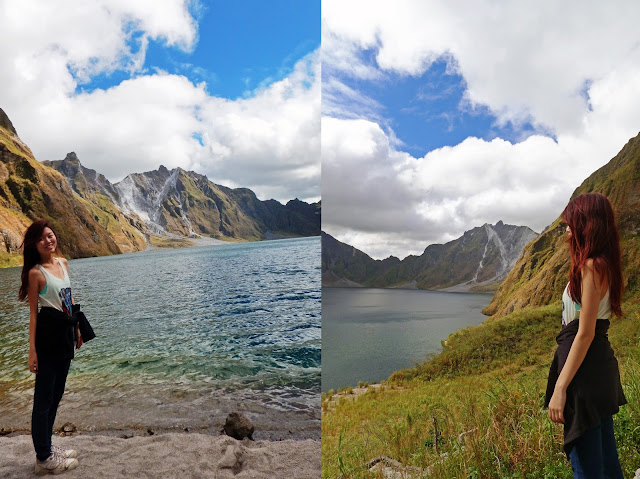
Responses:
[584,390]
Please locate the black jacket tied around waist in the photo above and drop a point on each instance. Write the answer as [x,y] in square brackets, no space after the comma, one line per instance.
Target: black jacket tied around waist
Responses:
[56,331]
[595,391]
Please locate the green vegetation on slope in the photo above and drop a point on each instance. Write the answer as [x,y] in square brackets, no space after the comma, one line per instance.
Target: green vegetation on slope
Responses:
[31,190]
[475,410]
[541,272]
[9,260]
[166,242]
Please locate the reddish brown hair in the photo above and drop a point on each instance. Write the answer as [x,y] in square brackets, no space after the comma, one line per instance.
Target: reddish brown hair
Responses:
[594,235]
[30,253]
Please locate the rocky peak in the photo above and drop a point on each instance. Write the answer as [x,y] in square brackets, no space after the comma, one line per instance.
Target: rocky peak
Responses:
[479,259]
[72,158]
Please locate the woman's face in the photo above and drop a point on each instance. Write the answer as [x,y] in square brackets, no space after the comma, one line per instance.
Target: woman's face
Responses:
[47,243]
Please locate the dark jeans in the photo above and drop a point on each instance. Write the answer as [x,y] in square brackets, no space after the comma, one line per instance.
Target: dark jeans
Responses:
[594,455]
[49,388]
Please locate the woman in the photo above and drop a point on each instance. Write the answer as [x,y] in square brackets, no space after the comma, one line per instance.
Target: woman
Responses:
[52,334]
[584,390]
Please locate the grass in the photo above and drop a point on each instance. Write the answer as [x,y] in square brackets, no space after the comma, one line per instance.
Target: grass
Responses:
[475,410]
[161,242]
[111,219]
[9,260]
[7,138]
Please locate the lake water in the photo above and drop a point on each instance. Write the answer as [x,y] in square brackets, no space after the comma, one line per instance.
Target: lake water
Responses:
[367,333]
[183,338]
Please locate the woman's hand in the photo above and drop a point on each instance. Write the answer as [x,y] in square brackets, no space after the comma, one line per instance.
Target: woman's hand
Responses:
[80,342]
[556,405]
[593,290]
[33,361]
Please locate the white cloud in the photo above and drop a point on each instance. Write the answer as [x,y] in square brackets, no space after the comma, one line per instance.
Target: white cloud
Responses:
[91,37]
[268,142]
[569,68]
[525,62]
[387,202]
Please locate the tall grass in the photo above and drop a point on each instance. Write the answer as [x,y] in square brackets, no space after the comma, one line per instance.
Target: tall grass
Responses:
[475,411]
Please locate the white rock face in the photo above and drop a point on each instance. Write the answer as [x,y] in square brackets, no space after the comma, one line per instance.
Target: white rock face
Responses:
[141,195]
[509,245]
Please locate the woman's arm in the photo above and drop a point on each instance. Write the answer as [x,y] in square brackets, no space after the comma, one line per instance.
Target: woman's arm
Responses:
[35,285]
[593,289]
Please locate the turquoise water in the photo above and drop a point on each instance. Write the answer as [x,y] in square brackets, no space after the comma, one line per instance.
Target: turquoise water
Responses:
[368,333]
[182,336]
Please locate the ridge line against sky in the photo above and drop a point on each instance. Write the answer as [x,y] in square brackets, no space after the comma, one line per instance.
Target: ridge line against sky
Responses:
[438,116]
[230,90]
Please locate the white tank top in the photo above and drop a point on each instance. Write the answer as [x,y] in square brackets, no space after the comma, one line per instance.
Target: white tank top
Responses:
[571,310]
[57,291]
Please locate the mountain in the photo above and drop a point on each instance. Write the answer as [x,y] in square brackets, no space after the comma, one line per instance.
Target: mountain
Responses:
[477,261]
[187,204]
[540,274]
[94,217]
[100,197]
[30,190]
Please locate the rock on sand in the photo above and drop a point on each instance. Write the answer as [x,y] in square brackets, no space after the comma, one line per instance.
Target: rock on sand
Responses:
[172,455]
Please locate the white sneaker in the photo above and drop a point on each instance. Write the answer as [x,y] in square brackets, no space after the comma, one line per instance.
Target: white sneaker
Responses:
[55,464]
[66,453]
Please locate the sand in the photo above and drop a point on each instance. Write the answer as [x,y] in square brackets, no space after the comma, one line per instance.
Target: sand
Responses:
[171,455]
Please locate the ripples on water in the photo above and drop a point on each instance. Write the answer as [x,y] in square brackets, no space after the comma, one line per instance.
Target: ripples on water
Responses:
[237,319]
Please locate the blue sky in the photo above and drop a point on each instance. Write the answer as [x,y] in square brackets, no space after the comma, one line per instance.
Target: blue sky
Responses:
[241,46]
[428,111]
[437,119]
[226,88]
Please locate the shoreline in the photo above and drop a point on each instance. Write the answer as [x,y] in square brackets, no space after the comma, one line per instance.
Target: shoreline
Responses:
[112,413]
[170,455]
[357,384]
[289,432]
[457,289]
[197,243]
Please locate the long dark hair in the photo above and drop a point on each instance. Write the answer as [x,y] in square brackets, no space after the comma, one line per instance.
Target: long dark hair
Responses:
[30,253]
[594,235]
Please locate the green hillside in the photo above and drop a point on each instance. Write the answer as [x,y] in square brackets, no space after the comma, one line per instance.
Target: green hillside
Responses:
[475,410]
[540,274]
[31,190]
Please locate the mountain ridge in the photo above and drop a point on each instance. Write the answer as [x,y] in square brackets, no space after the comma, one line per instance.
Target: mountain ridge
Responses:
[186,203]
[94,217]
[478,260]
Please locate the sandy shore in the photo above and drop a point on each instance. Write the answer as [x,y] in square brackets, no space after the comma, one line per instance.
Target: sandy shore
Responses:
[172,455]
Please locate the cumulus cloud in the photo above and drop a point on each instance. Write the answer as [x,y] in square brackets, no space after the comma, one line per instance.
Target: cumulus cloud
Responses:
[524,62]
[572,70]
[268,142]
[385,201]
